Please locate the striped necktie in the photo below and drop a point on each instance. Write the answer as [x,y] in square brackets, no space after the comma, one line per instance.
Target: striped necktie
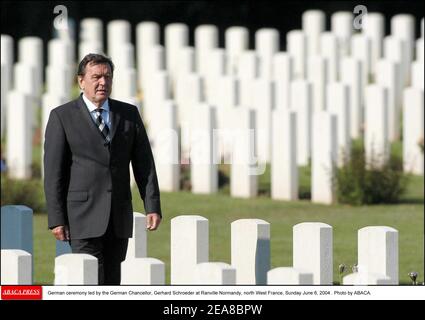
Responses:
[100,122]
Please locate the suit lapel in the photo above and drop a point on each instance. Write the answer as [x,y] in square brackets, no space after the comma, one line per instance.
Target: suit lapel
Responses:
[90,131]
[88,118]
[115,117]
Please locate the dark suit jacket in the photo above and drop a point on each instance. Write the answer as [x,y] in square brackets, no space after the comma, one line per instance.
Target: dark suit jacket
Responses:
[86,181]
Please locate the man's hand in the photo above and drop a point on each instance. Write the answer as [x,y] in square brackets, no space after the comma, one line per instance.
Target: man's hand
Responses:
[152,221]
[61,233]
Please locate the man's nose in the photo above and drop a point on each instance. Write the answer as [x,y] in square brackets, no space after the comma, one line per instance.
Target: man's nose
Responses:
[102,80]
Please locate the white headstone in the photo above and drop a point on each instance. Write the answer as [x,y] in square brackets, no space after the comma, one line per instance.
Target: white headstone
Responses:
[362,50]
[374,29]
[388,75]
[157,91]
[166,147]
[215,273]
[125,84]
[313,250]
[420,50]
[16,267]
[154,61]
[284,170]
[137,244]
[364,278]
[7,50]
[76,269]
[248,65]
[313,24]
[123,56]
[339,105]
[91,30]
[215,69]
[319,77]
[236,42]
[186,62]
[418,74]
[189,246]
[19,135]
[206,40]
[30,51]
[118,33]
[329,49]
[302,104]
[189,94]
[49,102]
[395,50]
[87,47]
[228,99]
[59,53]
[351,75]
[5,87]
[376,125]
[266,45]
[67,31]
[142,271]
[147,37]
[289,276]
[25,78]
[203,150]
[58,80]
[324,153]
[251,251]
[243,174]
[7,62]
[403,27]
[283,75]
[413,130]
[263,103]
[248,71]
[296,42]
[378,251]
[342,27]
[176,38]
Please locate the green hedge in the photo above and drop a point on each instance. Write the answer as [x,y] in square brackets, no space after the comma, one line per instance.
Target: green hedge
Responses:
[23,192]
[360,183]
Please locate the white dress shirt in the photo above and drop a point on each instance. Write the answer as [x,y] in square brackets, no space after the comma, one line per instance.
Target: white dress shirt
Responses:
[105,112]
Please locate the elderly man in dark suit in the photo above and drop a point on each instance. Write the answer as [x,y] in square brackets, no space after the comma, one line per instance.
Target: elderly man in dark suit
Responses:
[89,144]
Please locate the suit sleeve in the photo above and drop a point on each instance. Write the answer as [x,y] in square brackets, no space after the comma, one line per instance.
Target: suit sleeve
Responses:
[144,169]
[57,157]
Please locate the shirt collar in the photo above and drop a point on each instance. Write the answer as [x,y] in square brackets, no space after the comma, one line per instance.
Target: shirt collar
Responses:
[91,106]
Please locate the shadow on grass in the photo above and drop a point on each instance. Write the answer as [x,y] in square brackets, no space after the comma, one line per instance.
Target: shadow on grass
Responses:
[410,201]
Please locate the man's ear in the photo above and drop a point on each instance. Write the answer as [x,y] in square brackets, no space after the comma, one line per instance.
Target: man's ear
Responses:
[80,82]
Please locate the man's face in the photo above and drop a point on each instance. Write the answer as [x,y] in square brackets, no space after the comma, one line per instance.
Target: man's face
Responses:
[96,83]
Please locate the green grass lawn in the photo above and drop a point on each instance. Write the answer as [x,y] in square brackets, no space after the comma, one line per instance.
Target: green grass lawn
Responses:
[221,210]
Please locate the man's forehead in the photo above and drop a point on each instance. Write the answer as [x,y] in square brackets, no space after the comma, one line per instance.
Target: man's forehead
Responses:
[98,68]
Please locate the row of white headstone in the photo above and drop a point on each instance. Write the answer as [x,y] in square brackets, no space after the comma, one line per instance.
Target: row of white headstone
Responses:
[206,103]
[250,257]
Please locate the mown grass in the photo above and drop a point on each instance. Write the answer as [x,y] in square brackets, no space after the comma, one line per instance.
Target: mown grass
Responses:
[221,210]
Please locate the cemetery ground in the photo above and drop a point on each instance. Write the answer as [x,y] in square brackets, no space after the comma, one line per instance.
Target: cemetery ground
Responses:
[221,210]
